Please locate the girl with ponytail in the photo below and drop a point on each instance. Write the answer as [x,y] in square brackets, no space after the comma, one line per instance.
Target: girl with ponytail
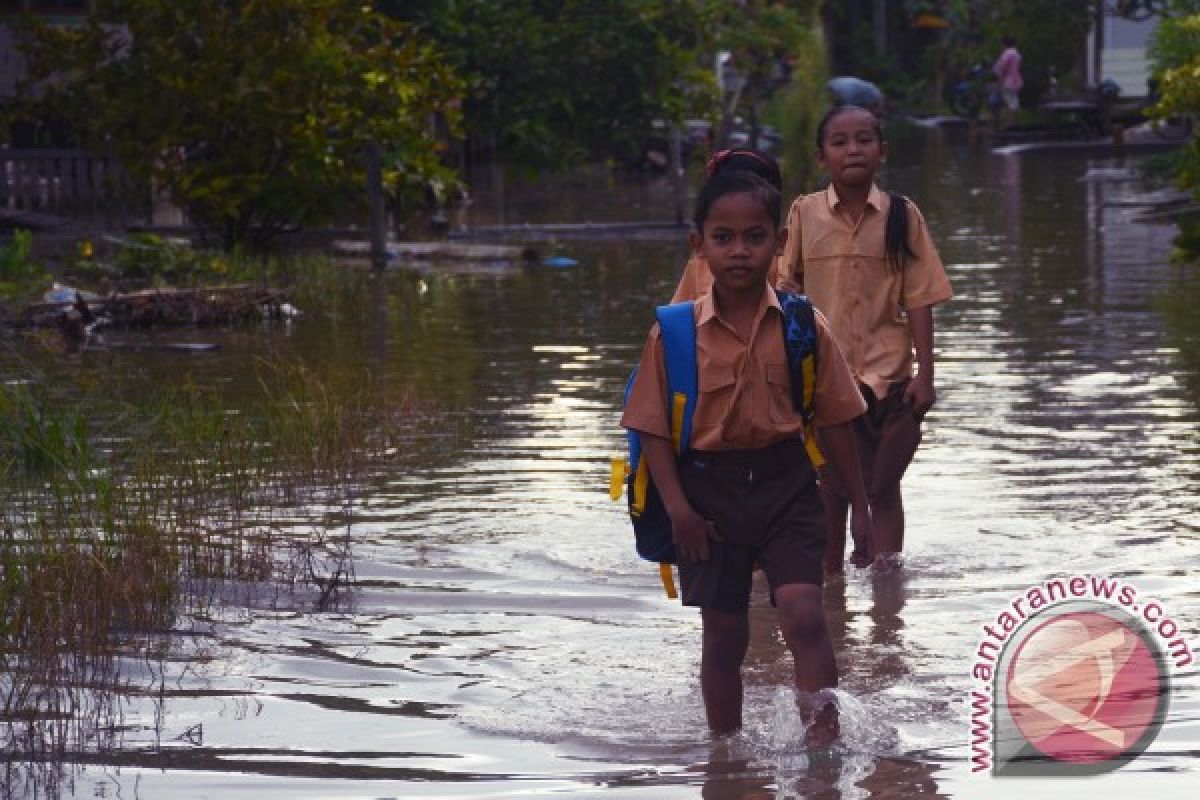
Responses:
[866,259]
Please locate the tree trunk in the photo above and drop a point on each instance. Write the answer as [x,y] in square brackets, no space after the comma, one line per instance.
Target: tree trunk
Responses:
[376,206]
[879,26]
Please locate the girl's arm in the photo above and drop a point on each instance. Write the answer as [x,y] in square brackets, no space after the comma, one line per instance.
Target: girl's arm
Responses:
[695,281]
[920,393]
[842,453]
[689,530]
[789,265]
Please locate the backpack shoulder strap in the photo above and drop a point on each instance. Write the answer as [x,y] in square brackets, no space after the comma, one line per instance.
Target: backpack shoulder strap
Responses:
[677,322]
[800,342]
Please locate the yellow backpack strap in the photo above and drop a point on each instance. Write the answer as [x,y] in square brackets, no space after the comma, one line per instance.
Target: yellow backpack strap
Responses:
[618,472]
[800,343]
[668,581]
[808,368]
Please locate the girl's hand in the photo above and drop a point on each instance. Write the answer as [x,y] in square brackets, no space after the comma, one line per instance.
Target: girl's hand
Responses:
[789,285]
[863,533]
[920,395]
[690,532]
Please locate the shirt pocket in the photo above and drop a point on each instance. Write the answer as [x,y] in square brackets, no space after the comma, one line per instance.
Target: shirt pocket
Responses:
[779,392]
[716,384]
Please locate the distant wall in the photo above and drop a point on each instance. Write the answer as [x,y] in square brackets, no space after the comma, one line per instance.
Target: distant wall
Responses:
[1123,58]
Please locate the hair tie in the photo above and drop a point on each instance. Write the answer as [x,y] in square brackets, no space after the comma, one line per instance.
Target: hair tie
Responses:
[721,156]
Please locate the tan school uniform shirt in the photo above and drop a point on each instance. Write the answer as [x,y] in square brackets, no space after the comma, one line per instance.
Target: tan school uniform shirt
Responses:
[840,264]
[745,399]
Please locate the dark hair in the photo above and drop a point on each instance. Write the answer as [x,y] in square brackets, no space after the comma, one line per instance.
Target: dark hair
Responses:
[1009,40]
[724,184]
[761,164]
[895,237]
[837,111]
[895,233]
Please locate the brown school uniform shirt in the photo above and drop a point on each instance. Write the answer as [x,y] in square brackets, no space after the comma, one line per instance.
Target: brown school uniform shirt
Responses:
[697,278]
[840,264]
[745,399]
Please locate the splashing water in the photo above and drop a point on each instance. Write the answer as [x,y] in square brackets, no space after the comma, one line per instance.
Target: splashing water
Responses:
[802,766]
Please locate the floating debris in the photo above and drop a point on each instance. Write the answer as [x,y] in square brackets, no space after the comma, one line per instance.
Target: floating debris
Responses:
[432,251]
[77,315]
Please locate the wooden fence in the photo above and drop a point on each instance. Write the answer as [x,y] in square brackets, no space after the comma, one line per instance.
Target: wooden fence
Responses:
[65,182]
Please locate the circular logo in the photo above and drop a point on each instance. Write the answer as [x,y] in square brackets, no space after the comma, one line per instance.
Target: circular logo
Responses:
[1086,687]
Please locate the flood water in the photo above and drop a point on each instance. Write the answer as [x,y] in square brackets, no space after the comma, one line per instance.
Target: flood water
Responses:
[503,640]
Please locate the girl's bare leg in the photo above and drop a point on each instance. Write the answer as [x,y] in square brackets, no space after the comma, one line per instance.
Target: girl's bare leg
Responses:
[726,638]
[802,623]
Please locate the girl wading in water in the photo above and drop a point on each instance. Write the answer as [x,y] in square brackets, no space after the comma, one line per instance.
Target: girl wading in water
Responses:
[745,494]
[865,258]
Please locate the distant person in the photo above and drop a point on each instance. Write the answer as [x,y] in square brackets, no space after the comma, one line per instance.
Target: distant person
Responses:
[1007,70]
[697,278]
[846,90]
[866,259]
[993,98]
[745,493]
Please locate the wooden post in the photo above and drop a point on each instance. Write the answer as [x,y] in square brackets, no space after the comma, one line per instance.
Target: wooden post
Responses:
[879,26]
[677,175]
[376,209]
[5,166]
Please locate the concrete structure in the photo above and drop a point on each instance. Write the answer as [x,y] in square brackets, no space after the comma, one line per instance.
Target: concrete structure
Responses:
[1122,53]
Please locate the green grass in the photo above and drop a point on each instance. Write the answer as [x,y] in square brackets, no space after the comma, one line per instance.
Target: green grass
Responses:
[115,530]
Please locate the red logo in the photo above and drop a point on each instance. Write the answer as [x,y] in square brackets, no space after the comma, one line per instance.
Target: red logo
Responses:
[1085,688]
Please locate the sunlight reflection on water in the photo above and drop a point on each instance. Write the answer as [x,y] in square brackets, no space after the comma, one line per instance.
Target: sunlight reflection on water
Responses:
[504,642]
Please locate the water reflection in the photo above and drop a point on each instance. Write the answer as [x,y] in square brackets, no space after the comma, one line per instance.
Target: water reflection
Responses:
[504,641]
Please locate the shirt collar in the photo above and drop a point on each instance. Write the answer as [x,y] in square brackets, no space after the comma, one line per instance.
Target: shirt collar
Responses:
[874,197]
[707,305]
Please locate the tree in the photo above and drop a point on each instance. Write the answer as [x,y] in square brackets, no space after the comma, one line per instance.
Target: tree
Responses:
[552,84]
[761,36]
[1176,54]
[253,114]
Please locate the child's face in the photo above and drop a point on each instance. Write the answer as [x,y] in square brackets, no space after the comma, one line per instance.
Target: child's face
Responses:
[852,150]
[739,241]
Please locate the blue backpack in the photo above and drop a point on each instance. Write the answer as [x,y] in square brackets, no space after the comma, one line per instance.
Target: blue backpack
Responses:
[677,323]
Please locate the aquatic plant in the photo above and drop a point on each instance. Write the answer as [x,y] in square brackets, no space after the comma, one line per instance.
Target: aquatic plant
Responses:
[21,277]
[112,532]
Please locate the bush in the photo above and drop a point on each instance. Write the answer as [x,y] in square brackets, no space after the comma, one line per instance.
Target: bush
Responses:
[797,108]
[21,279]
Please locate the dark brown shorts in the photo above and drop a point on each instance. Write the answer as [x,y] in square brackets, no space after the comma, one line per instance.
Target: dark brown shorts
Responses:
[767,512]
[888,435]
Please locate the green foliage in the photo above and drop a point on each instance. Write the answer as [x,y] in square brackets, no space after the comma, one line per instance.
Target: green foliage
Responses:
[798,106]
[253,115]
[181,495]
[1176,42]
[148,259]
[762,36]
[35,441]
[921,64]
[1048,33]
[554,84]
[20,277]
[1176,53]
